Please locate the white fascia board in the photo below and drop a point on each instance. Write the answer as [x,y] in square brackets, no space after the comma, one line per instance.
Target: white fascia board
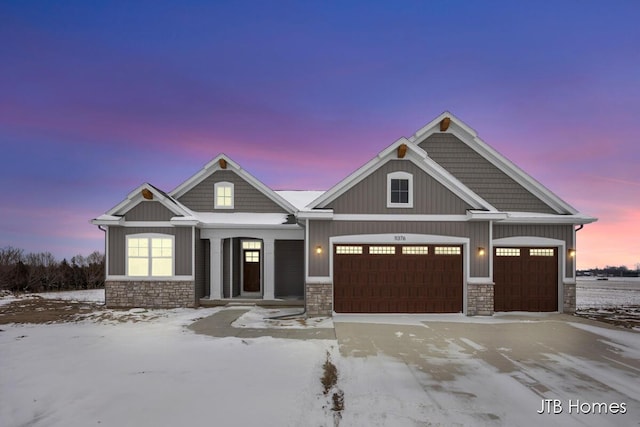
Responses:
[181,220]
[316,214]
[135,197]
[400,217]
[523,218]
[107,220]
[474,215]
[250,226]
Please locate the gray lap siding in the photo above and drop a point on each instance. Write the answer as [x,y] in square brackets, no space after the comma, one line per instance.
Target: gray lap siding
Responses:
[118,251]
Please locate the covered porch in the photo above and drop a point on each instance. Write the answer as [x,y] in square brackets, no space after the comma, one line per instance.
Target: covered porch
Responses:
[254,265]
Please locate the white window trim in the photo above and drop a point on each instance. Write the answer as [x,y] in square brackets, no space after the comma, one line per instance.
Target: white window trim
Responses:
[399,175]
[150,236]
[215,194]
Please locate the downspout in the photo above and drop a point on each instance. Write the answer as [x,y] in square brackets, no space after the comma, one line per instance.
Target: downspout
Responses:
[579,228]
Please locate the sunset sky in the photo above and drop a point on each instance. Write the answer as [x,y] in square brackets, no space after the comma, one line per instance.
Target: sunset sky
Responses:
[99,97]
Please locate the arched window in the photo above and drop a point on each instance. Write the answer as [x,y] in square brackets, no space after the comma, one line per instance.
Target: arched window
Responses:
[399,190]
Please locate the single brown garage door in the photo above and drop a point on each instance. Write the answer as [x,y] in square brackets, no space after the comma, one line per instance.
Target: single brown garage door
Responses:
[397,279]
[526,279]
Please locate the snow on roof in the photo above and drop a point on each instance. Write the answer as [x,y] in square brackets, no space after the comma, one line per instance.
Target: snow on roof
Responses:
[299,198]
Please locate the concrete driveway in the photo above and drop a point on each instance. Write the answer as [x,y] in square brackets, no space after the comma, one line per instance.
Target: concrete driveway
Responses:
[496,371]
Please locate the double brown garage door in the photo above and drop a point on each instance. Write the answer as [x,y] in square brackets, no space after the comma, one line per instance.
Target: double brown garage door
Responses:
[526,279]
[397,279]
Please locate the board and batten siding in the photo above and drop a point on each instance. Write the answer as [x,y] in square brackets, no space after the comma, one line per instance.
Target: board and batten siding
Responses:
[321,231]
[559,232]
[149,211]
[246,197]
[369,196]
[481,176]
[118,249]
[289,268]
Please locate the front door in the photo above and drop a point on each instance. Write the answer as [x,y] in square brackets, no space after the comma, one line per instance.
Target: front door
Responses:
[251,271]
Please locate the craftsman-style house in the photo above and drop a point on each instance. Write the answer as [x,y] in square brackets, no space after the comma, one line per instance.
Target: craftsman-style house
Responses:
[436,223]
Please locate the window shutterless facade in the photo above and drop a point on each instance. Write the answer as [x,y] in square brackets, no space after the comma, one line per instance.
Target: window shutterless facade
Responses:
[399,190]
[150,255]
[223,195]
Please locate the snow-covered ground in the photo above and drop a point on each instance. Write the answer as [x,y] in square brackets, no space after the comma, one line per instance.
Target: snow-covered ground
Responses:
[144,368]
[614,292]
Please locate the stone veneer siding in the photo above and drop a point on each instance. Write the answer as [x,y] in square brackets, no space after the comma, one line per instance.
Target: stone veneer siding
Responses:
[479,300]
[161,294]
[319,299]
[569,299]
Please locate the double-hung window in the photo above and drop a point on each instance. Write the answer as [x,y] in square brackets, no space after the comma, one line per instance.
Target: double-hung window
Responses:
[223,195]
[150,255]
[399,190]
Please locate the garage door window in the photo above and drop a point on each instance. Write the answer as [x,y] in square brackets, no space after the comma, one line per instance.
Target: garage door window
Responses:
[541,252]
[507,252]
[447,250]
[415,250]
[353,250]
[382,250]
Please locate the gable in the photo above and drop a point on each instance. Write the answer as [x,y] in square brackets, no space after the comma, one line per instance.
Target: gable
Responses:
[246,197]
[369,196]
[149,211]
[481,176]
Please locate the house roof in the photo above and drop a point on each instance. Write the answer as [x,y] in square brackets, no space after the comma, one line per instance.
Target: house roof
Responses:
[470,137]
[215,165]
[299,198]
[419,157]
[135,197]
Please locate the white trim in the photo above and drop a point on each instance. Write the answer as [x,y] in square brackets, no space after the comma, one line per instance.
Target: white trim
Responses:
[214,166]
[150,237]
[400,217]
[400,175]
[316,214]
[119,278]
[223,184]
[480,281]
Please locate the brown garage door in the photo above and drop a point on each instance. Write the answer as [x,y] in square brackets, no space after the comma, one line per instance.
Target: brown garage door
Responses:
[526,279]
[397,278]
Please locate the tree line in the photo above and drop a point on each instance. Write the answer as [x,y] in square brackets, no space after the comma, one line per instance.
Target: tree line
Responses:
[41,272]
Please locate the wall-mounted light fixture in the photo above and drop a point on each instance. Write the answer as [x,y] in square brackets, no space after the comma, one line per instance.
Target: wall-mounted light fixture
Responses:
[318,249]
[572,253]
[480,251]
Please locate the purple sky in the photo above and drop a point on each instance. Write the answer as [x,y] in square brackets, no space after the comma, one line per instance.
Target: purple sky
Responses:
[98,97]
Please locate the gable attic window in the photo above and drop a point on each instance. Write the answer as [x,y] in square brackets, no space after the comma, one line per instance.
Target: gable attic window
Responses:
[399,190]
[223,195]
[150,255]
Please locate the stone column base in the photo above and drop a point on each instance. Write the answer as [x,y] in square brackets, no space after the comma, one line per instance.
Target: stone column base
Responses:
[319,299]
[569,298]
[479,300]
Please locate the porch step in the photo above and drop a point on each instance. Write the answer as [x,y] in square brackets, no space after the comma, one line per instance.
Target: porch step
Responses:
[237,302]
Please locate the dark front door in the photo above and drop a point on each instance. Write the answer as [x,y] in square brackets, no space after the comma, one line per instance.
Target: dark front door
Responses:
[251,271]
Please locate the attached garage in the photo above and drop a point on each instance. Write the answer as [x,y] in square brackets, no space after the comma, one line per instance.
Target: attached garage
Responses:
[526,279]
[397,278]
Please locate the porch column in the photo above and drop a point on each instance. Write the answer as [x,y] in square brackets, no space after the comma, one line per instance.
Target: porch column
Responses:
[269,269]
[216,268]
